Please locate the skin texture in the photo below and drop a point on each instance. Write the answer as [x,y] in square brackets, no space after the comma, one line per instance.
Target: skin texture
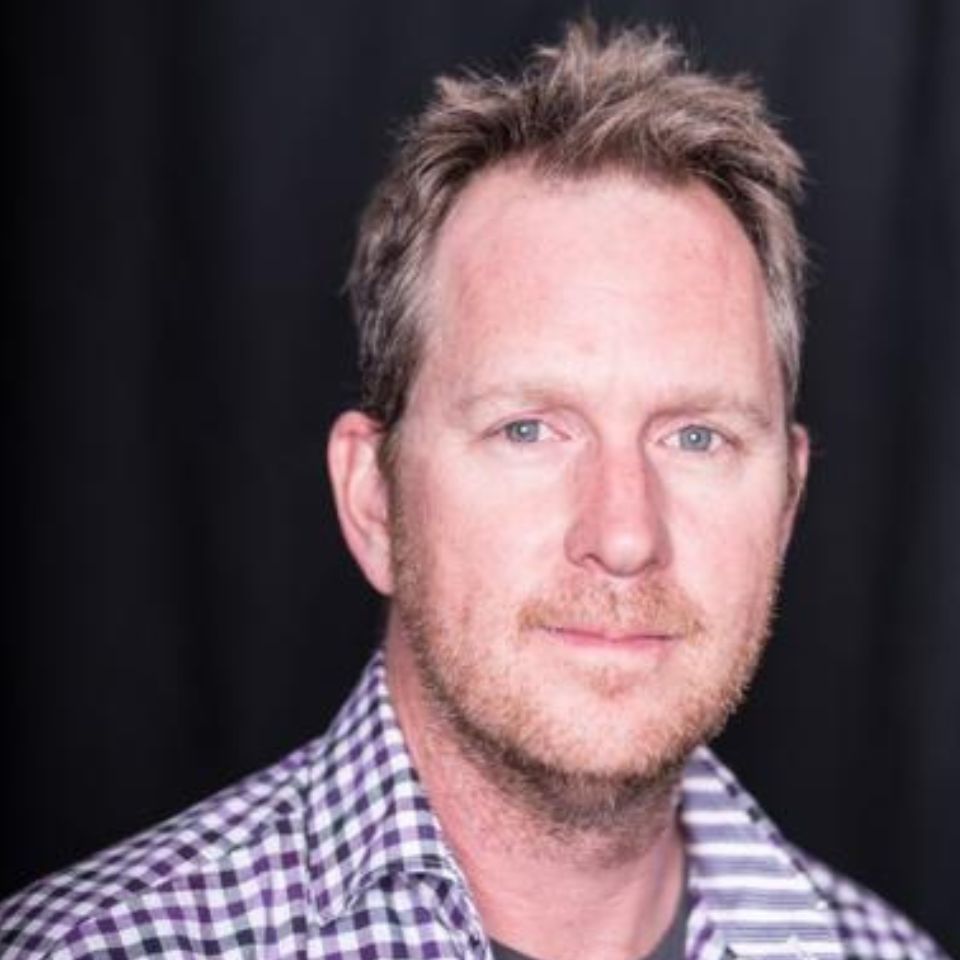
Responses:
[594,486]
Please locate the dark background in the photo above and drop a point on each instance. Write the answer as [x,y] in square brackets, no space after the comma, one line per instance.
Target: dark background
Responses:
[179,609]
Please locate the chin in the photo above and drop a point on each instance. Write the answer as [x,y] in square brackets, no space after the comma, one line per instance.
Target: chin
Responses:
[582,777]
[578,759]
[618,742]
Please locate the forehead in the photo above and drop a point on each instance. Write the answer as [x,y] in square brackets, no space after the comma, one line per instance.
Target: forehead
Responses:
[547,266]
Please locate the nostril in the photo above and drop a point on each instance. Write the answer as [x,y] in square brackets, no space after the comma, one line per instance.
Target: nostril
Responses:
[619,526]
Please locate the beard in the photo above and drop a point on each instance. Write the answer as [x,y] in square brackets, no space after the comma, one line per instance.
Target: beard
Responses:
[611,757]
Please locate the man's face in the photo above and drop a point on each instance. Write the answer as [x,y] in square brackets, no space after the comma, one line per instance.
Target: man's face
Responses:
[592,490]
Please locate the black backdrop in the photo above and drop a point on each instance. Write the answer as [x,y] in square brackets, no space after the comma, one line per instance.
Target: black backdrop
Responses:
[179,609]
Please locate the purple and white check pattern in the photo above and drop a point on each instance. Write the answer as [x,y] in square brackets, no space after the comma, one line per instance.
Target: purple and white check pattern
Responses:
[334,853]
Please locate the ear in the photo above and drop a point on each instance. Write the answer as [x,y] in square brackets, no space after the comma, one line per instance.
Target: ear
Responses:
[799,462]
[361,495]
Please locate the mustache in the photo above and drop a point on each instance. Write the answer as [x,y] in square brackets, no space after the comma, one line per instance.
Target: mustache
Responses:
[652,607]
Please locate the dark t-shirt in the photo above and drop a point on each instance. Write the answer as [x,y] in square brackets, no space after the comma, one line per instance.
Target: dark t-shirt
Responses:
[670,947]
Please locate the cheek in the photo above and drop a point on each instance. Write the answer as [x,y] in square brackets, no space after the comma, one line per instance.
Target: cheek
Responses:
[726,549]
[482,520]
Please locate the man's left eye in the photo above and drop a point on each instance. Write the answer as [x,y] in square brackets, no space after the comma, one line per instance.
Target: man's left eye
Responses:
[524,431]
[696,438]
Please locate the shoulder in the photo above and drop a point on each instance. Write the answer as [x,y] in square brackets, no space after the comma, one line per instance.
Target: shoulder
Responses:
[763,893]
[252,870]
[192,873]
[869,928]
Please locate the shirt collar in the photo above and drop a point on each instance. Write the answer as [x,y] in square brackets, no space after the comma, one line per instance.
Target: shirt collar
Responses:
[751,888]
[371,819]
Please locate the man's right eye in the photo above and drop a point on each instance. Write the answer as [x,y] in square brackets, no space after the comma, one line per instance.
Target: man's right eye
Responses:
[524,431]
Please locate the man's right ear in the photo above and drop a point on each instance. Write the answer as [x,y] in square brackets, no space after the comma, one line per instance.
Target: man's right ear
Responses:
[361,495]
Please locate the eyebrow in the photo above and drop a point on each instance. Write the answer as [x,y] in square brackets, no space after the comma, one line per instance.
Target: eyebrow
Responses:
[540,393]
[694,403]
[720,403]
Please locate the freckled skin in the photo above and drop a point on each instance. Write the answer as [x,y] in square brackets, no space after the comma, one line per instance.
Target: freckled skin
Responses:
[613,314]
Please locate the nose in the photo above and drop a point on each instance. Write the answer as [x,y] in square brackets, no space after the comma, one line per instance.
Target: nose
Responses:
[618,524]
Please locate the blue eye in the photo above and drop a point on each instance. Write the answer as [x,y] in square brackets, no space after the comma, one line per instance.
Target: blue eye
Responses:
[696,438]
[523,431]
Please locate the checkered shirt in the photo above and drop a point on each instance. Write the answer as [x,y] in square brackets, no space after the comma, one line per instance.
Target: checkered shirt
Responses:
[334,853]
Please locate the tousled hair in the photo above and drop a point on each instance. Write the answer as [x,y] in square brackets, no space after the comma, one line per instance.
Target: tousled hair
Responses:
[628,102]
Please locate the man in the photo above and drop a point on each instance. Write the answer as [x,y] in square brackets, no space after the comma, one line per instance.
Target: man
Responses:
[575,474]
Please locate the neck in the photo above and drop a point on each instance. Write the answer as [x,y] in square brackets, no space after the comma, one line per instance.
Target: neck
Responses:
[605,886]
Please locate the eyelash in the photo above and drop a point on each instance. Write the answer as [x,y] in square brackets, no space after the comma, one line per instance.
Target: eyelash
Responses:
[508,430]
[716,439]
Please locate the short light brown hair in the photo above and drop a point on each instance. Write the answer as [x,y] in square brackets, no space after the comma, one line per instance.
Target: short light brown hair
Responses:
[627,102]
